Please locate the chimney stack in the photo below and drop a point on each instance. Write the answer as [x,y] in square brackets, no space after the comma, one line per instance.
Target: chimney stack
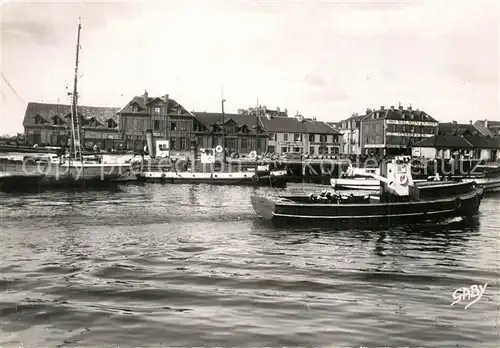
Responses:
[145,97]
[382,108]
[486,123]
[470,122]
[392,107]
[409,107]
[165,98]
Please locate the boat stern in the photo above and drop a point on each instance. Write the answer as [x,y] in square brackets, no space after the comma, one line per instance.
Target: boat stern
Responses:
[264,207]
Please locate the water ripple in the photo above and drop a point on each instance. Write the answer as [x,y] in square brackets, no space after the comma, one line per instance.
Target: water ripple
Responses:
[184,265]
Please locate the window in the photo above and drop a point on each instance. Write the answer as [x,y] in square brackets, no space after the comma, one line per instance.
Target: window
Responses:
[173,126]
[322,138]
[311,150]
[271,136]
[183,143]
[173,144]
[285,137]
[157,110]
[157,125]
[244,144]
[296,149]
[111,123]
[335,139]
[297,137]
[182,126]
[271,148]
[284,149]
[230,129]
[311,138]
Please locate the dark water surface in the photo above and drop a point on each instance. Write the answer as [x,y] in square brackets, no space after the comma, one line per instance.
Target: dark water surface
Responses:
[184,265]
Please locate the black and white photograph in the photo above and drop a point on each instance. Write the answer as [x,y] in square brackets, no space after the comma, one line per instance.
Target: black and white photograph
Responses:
[249,173]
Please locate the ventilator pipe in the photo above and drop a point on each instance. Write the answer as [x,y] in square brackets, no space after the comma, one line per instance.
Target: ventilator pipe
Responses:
[150,143]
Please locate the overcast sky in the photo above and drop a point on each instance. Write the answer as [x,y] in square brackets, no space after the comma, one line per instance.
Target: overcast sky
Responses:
[325,59]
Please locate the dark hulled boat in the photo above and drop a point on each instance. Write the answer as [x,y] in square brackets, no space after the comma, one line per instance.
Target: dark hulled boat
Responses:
[400,201]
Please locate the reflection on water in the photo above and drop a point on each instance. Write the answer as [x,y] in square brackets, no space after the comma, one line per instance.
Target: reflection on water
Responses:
[184,265]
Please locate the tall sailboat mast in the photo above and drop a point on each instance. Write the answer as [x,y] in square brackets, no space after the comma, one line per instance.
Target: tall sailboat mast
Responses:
[75,124]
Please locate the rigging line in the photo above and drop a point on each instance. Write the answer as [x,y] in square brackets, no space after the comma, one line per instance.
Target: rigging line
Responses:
[12,88]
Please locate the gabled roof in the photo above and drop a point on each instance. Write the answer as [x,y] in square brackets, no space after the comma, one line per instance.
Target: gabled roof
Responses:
[282,125]
[451,128]
[444,141]
[210,118]
[173,106]
[319,127]
[479,125]
[484,142]
[294,125]
[493,126]
[48,111]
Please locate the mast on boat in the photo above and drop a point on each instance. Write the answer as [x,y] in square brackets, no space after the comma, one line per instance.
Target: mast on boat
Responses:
[223,132]
[75,145]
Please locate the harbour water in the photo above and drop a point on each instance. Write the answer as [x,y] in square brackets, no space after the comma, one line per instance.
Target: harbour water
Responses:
[191,265]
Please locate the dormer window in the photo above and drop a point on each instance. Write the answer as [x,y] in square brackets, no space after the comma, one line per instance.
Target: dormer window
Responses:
[39,119]
[111,123]
[57,121]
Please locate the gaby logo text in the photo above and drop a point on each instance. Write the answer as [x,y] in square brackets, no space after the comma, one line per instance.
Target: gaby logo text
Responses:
[474,293]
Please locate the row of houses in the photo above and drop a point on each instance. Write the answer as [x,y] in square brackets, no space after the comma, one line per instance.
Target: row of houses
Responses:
[393,131]
[250,129]
[382,131]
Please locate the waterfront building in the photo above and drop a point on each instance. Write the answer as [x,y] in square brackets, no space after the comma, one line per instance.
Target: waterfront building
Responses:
[447,146]
[242,132]
[484,147]
[351,133]
[163,115]
[298,134]
[441,146]
[50,124]
[393,131]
